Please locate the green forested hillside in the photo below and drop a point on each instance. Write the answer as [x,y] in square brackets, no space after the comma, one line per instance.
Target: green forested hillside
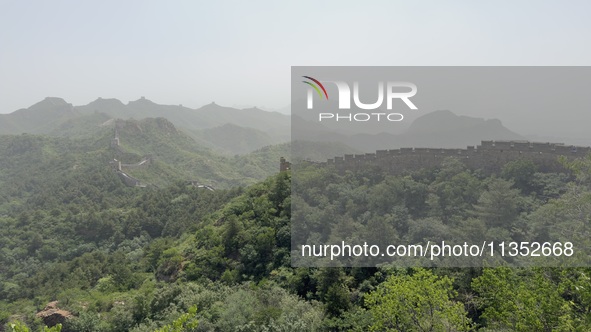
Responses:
[136,259]
[174,156]
[232,139]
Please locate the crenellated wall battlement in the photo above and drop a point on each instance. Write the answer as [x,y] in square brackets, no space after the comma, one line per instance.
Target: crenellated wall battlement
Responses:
[489,156]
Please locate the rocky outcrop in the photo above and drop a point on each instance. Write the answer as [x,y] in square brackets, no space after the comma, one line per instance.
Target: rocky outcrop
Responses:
[53,315]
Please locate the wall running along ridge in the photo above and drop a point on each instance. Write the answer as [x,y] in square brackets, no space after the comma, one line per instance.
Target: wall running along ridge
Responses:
[489,156]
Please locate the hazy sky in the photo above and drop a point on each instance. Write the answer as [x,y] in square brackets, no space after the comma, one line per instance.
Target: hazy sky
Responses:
[240,52]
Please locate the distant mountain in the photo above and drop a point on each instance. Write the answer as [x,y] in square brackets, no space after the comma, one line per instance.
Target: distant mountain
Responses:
[233,139]
[252,128]
[151,150]
[274,124]
[448,130]
[81,126]
[176,156]
[439,129]
[156,150]
[266,159]
[445,121]
[109,106]
[233,131]
[173,155]
[284,110]
[40,118]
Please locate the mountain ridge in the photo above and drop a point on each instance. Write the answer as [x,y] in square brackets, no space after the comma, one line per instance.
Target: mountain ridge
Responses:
[54,116]
[439,129]
[231,131]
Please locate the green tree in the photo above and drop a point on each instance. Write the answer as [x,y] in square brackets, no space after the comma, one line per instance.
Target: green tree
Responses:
[521,172]
[185,323]
[581,167]
[526,301]
[499,205]
[87,321]
[418,302]
[21,327]
[333,290]
[453,192]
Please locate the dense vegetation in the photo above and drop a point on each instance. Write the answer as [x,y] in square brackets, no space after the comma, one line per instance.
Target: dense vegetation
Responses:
[452,204]
[142,259]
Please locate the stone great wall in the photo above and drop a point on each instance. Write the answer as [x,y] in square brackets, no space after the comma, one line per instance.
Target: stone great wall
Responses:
[145,162]
[129,180]
[489,156]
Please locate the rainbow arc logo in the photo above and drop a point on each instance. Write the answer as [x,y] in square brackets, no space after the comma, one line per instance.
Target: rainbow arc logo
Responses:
[316,85]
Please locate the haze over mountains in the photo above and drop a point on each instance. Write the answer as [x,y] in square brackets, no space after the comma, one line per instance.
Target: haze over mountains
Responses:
[439,129]
[230,131]
[212,125]
[214,145]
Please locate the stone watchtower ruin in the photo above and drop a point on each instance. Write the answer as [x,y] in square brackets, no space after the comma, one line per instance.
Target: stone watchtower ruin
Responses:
[284,165]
